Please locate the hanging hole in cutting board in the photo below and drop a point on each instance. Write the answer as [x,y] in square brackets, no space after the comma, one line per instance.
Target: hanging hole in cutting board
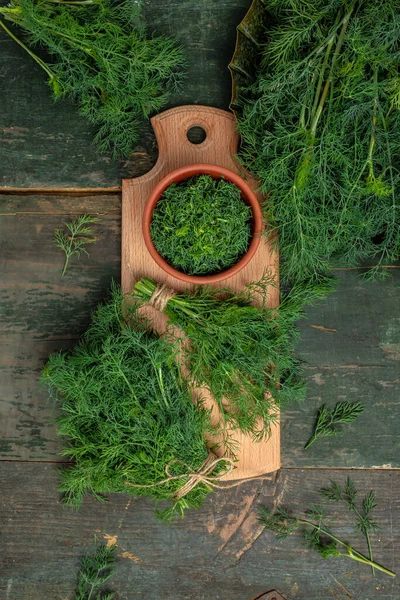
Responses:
[196,135]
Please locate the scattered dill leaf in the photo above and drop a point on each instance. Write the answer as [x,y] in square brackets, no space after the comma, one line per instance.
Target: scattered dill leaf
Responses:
[101,57]
[320,129]
[80,234]
[127,413]
[96,569]
[344,412]
[201,226]
[242,353]
[348,496]
[316,533]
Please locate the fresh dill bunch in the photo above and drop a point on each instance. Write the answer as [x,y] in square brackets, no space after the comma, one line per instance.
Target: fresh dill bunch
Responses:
[242,353]
[101,57]
[316,534]
[321,129]
[127,413]
[201,226]
[327,420]
[80,234]
[348,496]
[96,569]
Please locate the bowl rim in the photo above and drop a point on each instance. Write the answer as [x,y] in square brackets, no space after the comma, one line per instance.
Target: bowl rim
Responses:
[180,174]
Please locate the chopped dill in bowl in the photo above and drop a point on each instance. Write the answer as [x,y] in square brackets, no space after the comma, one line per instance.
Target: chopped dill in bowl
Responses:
[201,226]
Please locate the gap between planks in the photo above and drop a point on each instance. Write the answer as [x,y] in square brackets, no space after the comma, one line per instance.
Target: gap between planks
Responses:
[48,191]
[283,468]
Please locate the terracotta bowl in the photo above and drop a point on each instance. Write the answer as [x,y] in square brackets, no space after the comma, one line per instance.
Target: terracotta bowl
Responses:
[181,174]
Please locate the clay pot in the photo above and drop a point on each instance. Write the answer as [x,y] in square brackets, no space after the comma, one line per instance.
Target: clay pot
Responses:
[181,174]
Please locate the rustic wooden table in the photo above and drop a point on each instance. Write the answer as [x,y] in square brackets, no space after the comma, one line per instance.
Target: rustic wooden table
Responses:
[351,343]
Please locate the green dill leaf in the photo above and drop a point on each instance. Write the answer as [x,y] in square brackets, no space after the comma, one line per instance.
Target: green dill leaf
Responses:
[96,569]
[243,354]
[348,496]
[101,57]
[320,130]
[127,413]
[280,521]
[201,226]
[327,420]
[317,536]
[80,235]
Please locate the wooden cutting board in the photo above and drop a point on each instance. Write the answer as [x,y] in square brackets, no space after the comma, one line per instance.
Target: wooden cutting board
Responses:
[175,150]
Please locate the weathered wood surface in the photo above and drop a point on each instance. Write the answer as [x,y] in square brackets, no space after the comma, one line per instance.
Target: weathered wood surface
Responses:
[43,143]
[351,345]
[42,312]
[218,552]
[175,150]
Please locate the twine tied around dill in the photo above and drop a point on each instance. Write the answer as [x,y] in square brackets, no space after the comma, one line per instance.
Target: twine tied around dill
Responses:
[203,475]
[161,296]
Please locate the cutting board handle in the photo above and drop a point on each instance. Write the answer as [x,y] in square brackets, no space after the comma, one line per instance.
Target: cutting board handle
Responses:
[221,138]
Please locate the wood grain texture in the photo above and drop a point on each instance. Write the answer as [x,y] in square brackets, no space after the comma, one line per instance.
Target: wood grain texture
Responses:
[350,343]
[175,150]
[42,312]
[43,143]
[218,552]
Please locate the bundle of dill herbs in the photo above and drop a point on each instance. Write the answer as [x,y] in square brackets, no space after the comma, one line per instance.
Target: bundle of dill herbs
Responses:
[101,57]
[321,131]
[243,354]
[127,413]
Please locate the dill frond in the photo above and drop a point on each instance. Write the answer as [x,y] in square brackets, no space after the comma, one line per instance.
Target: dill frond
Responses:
[73,244]
[126,413]
[321,128]
[201,226]
[327,420]
[103,58]
[96,569]
[242,353]
[348,496]
[316,533]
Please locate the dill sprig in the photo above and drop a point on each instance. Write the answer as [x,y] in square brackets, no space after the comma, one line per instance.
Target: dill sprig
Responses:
[241,352]
[316,533]
[101,57]
[348,496]
[73,244]
[201,226]
[327,420]
[126,412]
[96,569]
[321,130]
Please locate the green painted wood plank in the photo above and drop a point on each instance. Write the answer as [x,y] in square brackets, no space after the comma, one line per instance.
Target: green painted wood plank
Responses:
[46,144]
[351,344]
[364,317]
[217,552]
[42,312]
[373,440]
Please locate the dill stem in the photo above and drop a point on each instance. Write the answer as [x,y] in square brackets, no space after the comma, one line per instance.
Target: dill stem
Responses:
[328,82]
[39,61]
[65,265]
[161,384]
[72,1]
[351,552]
[311,441]
[321,77]
[372,140]
[354,508]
